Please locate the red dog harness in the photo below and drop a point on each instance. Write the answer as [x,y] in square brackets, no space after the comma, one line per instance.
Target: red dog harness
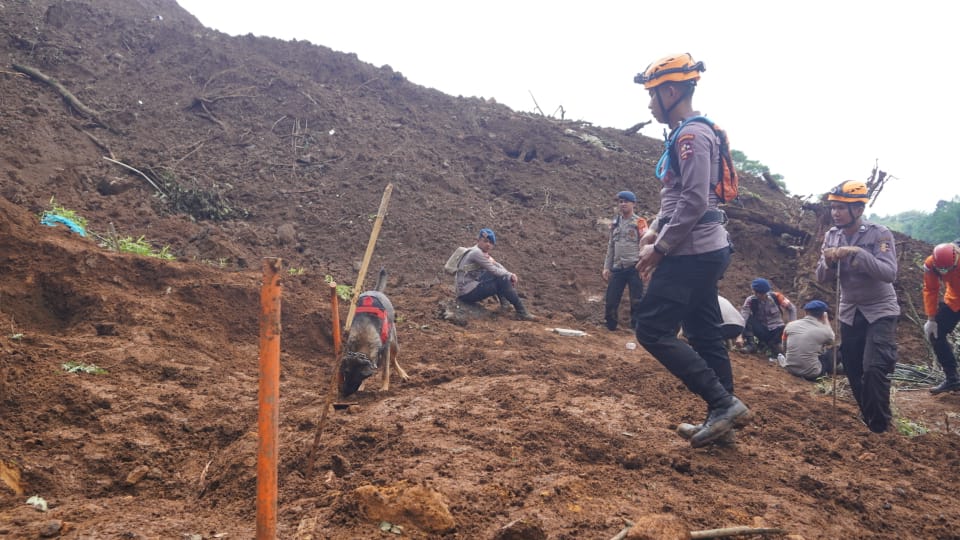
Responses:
[368,304]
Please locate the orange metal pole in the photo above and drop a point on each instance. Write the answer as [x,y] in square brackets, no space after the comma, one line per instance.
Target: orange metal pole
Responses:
[334,380]
[268,418]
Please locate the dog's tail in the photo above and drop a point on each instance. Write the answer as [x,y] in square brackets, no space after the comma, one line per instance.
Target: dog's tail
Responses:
[382,280]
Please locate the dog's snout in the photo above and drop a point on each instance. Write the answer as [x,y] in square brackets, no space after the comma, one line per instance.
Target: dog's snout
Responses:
[355,368]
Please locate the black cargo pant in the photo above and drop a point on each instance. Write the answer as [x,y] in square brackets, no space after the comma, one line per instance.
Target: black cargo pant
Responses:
[946,321]
[490,285]
[869,356]
[683,290]
[620,279]
[766,337]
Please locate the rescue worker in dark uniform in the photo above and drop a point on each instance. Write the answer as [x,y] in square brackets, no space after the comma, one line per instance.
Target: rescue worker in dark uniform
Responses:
[942,318]
[684,253]
[865,255]
[479,276]
[620,264]
[763,312]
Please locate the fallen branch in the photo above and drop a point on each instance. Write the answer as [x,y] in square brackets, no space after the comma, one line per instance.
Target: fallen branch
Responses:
[634,129]
[145,177]
[771,182]
[712,533]
[623,532]
[733,531]
[776,227]
[67,95]
[199,106]
[103,146]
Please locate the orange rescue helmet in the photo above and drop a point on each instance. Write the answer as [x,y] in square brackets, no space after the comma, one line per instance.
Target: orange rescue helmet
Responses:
[945,257]
[673,68]
[851,191]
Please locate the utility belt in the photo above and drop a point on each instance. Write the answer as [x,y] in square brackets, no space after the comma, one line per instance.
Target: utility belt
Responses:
[710,216]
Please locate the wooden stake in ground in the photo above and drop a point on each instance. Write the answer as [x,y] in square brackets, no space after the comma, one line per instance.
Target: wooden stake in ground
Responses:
[334,380]
[358,287]
[836,338]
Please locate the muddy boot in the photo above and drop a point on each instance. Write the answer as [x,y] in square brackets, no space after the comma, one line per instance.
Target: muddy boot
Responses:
[524,315]
[687,431]
[951,384]
[720,421]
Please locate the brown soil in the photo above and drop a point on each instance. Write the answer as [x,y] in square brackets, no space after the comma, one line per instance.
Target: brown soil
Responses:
[266,148]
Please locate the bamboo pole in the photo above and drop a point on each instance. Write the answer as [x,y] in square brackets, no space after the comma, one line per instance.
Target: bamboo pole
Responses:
[836,338]
[334,379]
[358,288]
[269,397]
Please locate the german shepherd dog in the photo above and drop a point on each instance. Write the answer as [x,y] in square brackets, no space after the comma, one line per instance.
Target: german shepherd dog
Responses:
[372,341]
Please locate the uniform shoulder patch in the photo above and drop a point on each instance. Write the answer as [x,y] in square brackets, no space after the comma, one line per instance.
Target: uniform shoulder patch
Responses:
[685,145]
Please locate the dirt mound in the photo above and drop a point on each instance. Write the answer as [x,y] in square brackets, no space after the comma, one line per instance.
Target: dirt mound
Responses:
[228,150]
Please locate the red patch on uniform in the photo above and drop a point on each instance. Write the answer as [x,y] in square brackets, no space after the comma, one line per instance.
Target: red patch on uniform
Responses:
[685,145]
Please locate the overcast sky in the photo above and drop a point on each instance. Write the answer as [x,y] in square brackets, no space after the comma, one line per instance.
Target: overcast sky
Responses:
[816,90]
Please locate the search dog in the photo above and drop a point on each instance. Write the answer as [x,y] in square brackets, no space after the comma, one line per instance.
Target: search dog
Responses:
[372,341]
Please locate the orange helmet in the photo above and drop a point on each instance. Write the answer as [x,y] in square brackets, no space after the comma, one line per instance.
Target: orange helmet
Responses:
[945,257]
[851,191]
[673,68]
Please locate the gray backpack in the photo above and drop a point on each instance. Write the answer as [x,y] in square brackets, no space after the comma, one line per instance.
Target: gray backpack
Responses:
[453,263]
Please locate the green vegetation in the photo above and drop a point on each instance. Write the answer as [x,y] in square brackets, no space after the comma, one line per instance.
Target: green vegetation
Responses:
[755,168]
[57,210]
[344,292]
[296,271]
[142,247]
[908,427]
[943,225]
[138,246]
[79,367]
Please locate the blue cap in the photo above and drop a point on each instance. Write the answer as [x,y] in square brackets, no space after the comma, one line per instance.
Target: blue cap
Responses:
[627,196]
[815,305]
[488,234]
[760,285]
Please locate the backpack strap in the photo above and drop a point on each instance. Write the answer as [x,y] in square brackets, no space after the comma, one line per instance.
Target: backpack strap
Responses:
[461,267]
[774,296]
[669,156]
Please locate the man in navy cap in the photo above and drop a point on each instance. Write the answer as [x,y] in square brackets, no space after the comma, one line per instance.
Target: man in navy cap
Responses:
[620,264]
[808,342]
[479,276]
[763,311]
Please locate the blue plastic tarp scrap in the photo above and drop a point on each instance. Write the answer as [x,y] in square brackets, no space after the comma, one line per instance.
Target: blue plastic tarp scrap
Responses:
[52,221]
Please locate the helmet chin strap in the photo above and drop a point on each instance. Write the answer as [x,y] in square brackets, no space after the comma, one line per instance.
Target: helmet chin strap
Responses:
[853,219]
[666,111]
